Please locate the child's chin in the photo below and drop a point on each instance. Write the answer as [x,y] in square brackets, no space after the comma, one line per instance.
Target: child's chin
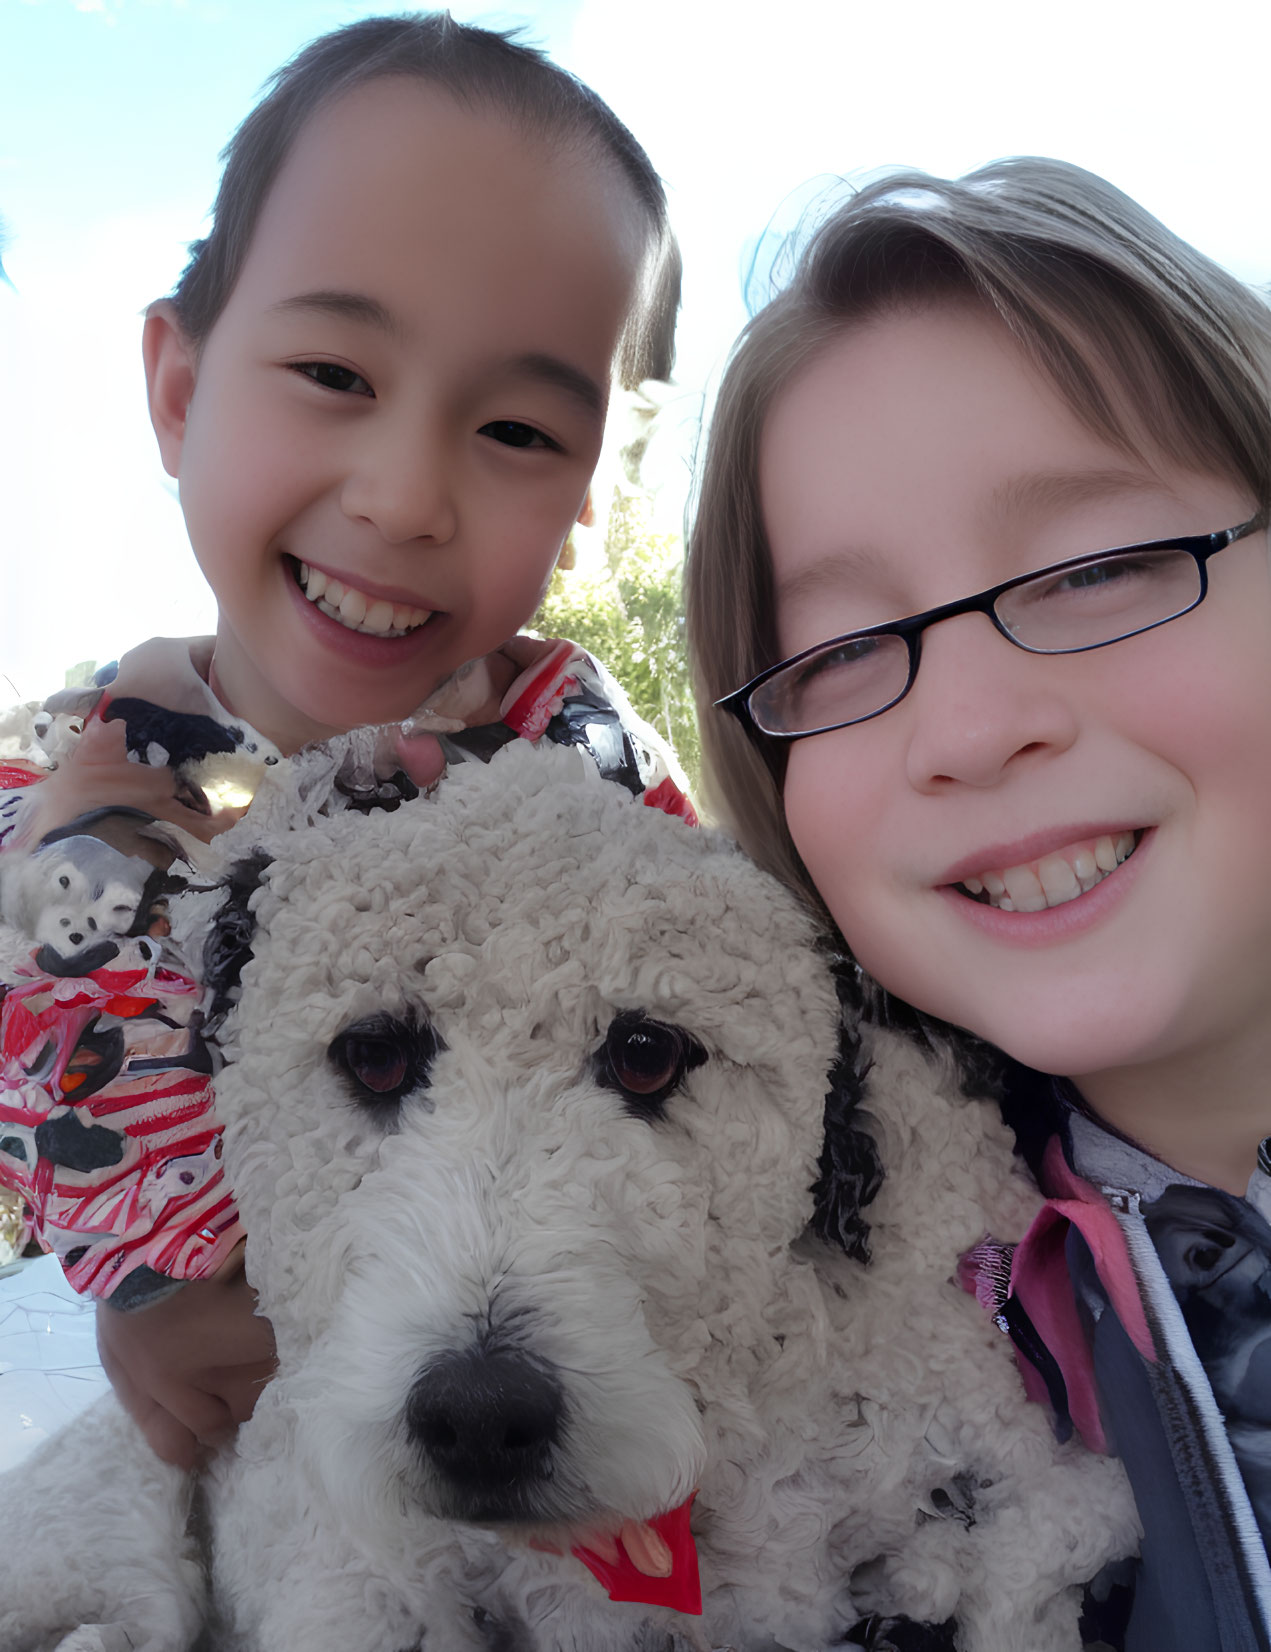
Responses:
[338,712]
[1072,1052]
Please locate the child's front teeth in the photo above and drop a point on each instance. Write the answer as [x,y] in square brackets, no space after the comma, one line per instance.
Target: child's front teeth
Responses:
[357,611]
[1054,879]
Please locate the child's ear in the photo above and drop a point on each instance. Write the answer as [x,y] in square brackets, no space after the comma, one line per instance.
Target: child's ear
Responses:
[587,515]
[170,370]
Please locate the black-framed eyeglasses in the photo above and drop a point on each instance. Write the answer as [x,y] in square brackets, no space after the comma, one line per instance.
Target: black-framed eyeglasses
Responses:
[1083,603]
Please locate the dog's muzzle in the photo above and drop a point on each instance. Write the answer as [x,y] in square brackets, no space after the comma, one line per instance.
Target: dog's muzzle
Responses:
[488,1424]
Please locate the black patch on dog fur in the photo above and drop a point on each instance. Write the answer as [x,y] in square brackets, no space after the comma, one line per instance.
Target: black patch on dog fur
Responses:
[1107,1603]
[229,942]
[498,1634]
[850,1171]
[879,1634]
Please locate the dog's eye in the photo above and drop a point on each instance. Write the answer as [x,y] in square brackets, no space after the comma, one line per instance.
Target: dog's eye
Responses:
[645,1060]
[385,1058]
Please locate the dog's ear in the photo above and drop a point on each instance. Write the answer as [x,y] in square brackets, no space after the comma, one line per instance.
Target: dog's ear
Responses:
[850,1171]
[229,942]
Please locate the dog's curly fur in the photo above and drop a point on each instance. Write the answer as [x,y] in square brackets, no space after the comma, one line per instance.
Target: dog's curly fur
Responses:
[856,1429]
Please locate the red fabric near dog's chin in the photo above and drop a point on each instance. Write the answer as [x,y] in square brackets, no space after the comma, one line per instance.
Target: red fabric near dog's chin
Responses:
[682,1591]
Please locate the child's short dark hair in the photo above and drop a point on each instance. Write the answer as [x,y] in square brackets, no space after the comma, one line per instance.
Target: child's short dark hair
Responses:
[478,67]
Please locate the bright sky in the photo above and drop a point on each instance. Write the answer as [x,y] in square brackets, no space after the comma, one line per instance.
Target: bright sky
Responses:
[113,112]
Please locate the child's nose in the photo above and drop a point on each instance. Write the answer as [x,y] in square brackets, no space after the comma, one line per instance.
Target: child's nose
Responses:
[980,706]
[402,482]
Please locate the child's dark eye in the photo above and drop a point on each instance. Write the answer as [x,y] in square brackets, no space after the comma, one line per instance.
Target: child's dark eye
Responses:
[513,433]
[331,376]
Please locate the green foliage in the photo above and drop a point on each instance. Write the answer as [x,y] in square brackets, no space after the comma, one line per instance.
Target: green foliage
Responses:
[629,613]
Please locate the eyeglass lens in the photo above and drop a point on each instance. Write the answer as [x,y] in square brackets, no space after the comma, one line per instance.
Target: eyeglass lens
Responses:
[1059,612]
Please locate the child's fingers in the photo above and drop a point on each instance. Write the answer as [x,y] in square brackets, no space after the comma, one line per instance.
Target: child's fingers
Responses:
[111,1365]
[240,1388]
[98,774]
[170,1440]
[102,742]
[206,1417]
[523,652]
[420,755]
[469,698]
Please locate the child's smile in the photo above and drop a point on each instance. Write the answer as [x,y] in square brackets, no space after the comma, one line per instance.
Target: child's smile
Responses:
[1053,878]
[376,613]
[1064,853]
[390,429]
[377,630]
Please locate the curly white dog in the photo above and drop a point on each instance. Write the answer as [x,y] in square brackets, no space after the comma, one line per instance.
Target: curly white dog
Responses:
[524,1102]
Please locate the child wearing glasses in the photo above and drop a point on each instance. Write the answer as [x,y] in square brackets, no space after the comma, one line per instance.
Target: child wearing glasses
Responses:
[382,383]
[980,583]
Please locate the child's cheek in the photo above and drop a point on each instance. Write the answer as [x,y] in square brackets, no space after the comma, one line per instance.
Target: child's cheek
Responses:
[1206,712]
[834,812]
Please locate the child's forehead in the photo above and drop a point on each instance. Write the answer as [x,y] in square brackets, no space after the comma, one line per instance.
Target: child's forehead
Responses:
[925,454]
[412,148]
[452,229]
[919,390]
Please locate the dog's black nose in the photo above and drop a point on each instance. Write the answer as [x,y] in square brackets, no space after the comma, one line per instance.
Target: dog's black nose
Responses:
[487,1422]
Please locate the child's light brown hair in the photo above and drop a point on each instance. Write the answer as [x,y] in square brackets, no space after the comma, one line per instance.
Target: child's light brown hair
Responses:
[479,68]
[1143,337]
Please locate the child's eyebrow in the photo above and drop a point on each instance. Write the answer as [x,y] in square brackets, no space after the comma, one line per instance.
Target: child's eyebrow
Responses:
[1043,490]
[348,306]
[861,562]
[561,374]
[1025,496]
[546,369]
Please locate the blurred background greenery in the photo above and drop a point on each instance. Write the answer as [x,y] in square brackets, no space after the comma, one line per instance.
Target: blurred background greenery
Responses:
[625,607]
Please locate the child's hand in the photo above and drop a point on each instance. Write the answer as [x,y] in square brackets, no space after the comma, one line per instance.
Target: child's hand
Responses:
[189,1368]
[472,697]
[98,774]
[421,757]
